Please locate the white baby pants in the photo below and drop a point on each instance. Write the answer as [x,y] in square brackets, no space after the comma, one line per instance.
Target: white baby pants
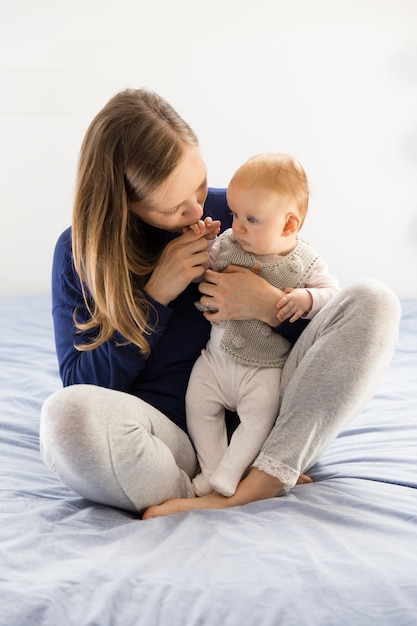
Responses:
[217,382]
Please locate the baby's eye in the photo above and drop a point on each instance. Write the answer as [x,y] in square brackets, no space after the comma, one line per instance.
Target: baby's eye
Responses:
[252,220]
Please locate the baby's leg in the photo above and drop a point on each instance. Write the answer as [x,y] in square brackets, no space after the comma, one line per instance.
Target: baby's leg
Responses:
[113,448]
[206,420]
[258,398]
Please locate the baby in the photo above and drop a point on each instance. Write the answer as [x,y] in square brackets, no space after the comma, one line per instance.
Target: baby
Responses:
[240,367]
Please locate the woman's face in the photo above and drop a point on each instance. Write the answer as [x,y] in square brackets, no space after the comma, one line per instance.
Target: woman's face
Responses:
[179,201]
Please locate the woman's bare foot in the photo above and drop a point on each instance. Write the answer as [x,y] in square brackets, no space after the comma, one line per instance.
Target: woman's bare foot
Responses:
[180,505]
[257,485]
[303,479]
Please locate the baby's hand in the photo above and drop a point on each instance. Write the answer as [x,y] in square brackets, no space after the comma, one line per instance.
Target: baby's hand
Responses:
[197,228]
[208,227]
[295,304]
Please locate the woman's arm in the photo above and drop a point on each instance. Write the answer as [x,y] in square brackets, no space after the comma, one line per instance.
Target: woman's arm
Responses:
[112,364]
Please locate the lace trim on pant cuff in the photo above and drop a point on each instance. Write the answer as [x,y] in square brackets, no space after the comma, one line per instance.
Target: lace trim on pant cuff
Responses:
[279,470]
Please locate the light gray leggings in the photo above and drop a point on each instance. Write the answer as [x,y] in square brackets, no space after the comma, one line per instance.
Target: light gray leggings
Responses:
[113,448]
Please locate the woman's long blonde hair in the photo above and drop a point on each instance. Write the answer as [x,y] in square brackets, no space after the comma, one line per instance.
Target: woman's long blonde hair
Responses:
[133,144]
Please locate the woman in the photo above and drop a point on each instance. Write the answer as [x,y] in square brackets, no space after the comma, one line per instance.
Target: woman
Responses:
[127,332]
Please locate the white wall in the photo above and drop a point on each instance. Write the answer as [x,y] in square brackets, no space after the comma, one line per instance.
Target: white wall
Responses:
[334,82]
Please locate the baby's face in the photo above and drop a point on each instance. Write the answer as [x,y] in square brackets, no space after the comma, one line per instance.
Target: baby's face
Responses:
[264,222]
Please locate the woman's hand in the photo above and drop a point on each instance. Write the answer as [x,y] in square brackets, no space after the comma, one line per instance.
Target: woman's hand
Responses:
[238,293]
[181,261]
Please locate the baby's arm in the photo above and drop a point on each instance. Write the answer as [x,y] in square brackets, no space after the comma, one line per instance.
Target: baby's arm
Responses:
[309,300]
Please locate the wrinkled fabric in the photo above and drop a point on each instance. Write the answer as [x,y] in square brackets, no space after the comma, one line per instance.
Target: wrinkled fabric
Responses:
[340,551]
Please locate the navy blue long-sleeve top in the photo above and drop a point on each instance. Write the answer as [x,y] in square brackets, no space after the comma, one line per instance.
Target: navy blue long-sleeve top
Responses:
[180,334]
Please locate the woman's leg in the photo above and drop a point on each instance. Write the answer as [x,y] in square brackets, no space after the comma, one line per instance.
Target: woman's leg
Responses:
[113,448]
[331,374]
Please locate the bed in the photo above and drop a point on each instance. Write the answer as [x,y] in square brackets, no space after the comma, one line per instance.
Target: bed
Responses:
[342,551]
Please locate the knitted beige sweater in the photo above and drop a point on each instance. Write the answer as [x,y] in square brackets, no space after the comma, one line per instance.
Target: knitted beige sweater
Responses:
[253,342]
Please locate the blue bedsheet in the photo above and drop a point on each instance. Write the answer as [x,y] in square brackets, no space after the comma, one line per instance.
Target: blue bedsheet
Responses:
[342,551]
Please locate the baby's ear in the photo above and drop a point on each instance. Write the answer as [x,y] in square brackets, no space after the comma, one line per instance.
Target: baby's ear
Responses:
[292,224]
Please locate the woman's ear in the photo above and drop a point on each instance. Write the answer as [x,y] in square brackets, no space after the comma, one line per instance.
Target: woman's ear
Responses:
[292,224]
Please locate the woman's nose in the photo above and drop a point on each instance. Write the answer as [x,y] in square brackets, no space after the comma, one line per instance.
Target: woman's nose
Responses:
[194,209]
